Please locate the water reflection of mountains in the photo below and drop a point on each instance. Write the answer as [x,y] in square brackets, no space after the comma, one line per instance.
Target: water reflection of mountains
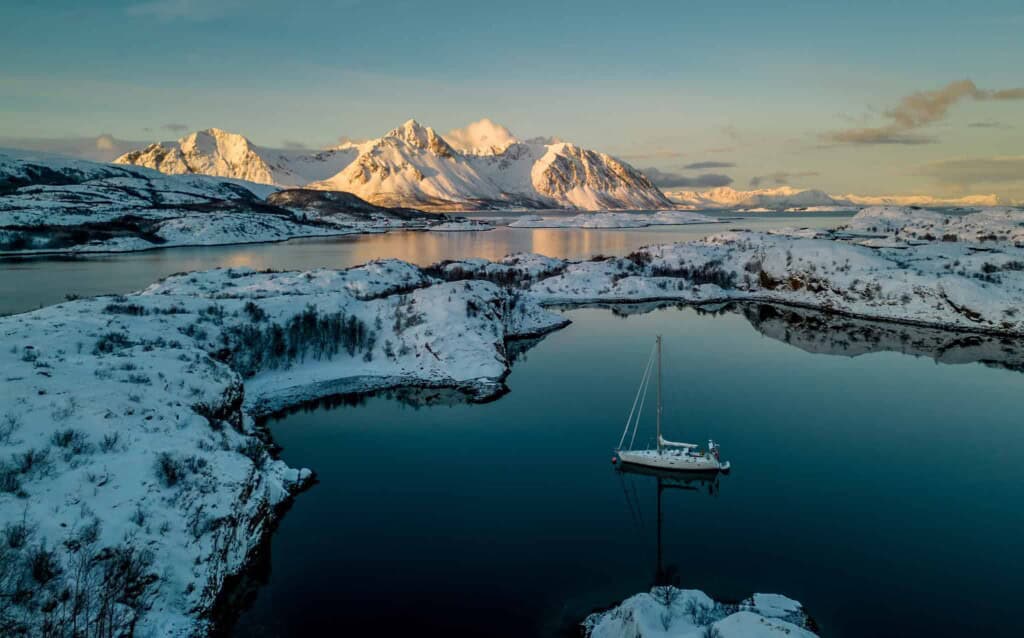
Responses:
[827,333]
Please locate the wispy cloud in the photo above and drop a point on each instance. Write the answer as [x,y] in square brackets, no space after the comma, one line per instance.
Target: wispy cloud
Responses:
[917,110]
[674,180]
[174,128]
[976,170]
[780,178]
[989,124]
[706,165]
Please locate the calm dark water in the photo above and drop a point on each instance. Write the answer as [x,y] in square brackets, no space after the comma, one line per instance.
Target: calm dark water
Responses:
[27,284]
[883,491]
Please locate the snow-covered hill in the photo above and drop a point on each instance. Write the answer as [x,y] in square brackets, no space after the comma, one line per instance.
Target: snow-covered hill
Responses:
[55,204]
[790,198]
[484,166]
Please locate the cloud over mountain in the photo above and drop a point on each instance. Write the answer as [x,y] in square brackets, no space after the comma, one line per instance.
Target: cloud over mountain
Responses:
[101,148]
[705,165]
[665,179]
[482,136]
[976,170]
[779,178]
[917,110]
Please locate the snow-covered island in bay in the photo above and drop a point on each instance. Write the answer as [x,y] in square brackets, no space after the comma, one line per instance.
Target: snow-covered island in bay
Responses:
[135,482]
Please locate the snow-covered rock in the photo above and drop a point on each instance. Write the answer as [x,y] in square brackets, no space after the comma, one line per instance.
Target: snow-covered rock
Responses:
[669,612]
[902,224]
[463,226]
[484,166]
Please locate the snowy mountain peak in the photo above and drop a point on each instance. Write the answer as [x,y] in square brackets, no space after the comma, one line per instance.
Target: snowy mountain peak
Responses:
[422,137]
[215,140]
[413,166]
[209,152]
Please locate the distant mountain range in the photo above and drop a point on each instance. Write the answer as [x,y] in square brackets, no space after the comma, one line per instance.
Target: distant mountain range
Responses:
[482,166]
[787,197]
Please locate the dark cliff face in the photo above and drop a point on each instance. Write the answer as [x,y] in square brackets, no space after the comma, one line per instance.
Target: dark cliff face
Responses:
[337,202]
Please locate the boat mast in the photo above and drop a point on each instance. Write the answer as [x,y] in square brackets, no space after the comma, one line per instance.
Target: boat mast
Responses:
[659,395]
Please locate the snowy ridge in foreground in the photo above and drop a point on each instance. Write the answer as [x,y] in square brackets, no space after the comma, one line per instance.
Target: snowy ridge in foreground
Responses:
[669,612]
[132,474]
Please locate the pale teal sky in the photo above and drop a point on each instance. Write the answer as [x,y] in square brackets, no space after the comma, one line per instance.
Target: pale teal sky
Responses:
[663,84]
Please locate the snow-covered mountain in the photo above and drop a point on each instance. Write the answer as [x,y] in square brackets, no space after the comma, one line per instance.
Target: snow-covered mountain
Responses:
[481,166]
[780,197]
[787,197]
[50,203]
[223,154]
[921,200]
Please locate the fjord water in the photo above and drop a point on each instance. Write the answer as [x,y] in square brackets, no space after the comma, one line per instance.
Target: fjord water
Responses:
[29,283]
[883,491]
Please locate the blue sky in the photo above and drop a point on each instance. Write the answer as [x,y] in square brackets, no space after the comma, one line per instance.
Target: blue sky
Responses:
[760,85]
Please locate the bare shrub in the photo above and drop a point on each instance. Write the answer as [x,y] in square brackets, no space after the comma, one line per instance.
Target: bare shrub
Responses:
[111,342]
[73,442]
[9,424]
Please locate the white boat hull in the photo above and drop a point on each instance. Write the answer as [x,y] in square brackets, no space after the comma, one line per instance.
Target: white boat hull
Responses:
[677,460]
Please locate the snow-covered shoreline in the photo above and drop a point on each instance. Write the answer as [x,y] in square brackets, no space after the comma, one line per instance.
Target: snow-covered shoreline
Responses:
[127,423]
[971,281]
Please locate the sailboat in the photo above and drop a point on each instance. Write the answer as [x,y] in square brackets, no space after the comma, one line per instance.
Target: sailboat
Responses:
[667,455]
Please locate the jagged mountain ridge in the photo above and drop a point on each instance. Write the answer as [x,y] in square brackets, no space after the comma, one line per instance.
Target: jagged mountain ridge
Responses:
[223,154]
[780,197]
[788,197]
[412,165]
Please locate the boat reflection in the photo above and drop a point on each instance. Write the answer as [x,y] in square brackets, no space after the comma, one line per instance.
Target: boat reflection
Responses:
[696,482]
